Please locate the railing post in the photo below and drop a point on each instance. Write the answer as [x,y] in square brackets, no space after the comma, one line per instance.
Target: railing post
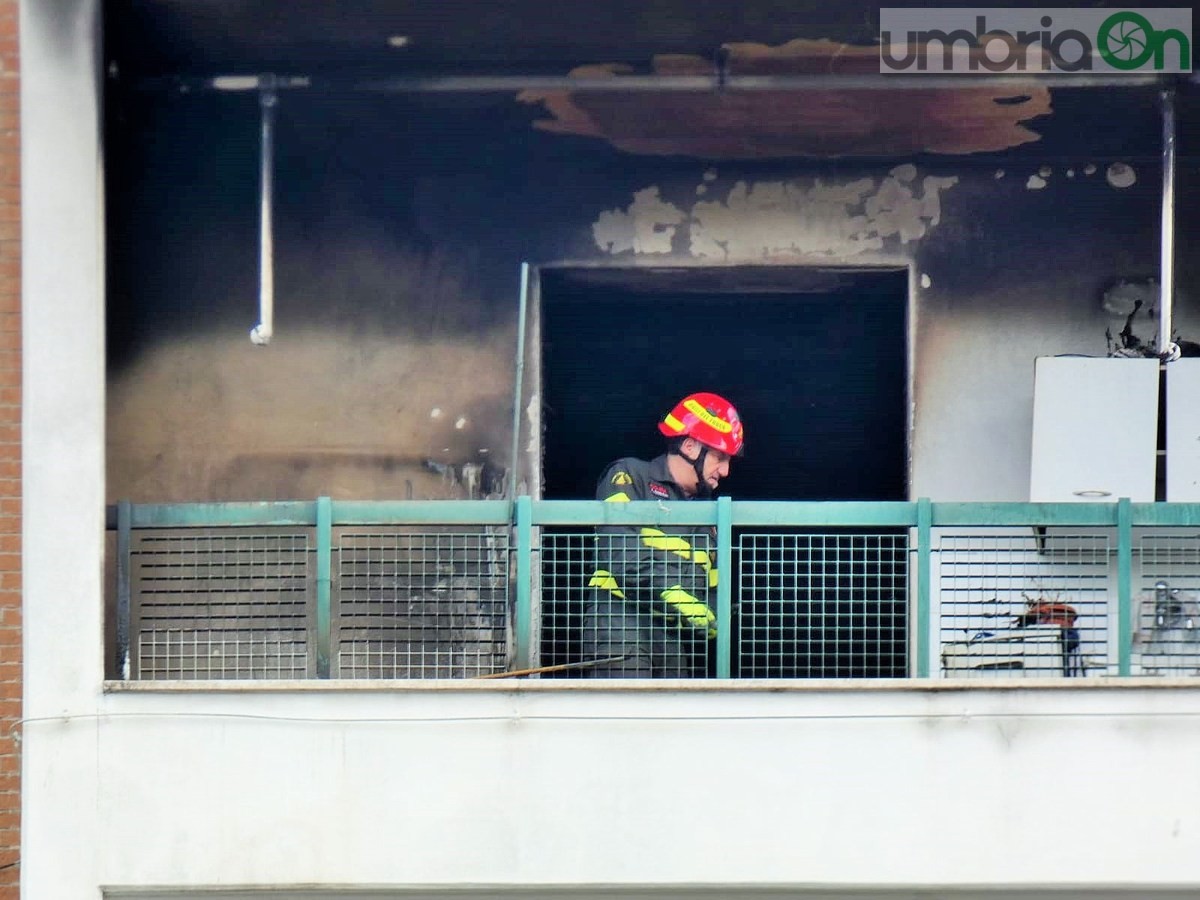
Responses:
[124,587]
[523,612]
[924,588]
[724,586]
[324,568]
[1124,586]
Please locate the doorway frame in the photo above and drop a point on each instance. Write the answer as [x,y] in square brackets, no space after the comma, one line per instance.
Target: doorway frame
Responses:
[526,466]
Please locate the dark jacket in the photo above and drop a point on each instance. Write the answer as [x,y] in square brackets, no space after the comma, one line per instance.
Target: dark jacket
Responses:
[662,568]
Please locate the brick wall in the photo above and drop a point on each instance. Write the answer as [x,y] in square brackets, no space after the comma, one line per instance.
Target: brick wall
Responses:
[10,449]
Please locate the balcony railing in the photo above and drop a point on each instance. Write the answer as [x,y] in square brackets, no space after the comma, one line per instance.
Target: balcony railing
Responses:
[459,589]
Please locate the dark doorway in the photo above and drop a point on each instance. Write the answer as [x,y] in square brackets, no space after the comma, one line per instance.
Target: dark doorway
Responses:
[818,373]
[816,362]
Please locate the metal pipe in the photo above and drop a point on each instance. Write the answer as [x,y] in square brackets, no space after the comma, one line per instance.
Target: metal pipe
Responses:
[268,99]
[124,587]
[1167,349]
[518,387]
[824,81]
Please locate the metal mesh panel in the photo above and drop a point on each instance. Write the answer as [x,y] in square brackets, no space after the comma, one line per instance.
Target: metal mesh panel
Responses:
[421,603]
[1020,604]
[220,604]
[567,561]
[582,622]
[822,605]
[1166,609]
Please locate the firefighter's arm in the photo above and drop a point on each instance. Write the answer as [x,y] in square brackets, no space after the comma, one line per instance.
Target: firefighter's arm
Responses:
[691,609]
[679,561]
[688,573]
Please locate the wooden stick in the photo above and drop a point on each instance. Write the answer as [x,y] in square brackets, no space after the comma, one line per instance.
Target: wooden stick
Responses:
[560,667]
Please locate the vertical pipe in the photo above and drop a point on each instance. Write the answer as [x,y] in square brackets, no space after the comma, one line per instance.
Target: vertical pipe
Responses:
[1124,586]
[1166,347]
[324,583]
[124,588]
[924,574]
[518,381]
[523,626]
[724,586]
[268,99]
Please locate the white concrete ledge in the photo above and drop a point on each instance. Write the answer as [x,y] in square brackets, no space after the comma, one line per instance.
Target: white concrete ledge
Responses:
[652,686]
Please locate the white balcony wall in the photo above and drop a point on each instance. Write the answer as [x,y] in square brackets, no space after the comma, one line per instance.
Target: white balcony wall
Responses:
[834,787]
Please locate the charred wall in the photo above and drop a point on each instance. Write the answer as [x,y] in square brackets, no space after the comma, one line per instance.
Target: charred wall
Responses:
[401,222]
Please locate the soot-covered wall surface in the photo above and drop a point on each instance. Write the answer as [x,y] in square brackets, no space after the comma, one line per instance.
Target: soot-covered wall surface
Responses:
[401,222]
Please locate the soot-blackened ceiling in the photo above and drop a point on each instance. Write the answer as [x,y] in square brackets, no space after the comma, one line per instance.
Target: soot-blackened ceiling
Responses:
[323,41]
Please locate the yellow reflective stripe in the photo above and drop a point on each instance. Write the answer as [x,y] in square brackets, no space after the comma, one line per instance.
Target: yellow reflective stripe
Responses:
[678,597]
[673,423]
[606,582]
[619,497]
[656,540]
[695,611]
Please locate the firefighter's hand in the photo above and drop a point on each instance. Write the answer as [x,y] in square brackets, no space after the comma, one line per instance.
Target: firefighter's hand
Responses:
[695,612]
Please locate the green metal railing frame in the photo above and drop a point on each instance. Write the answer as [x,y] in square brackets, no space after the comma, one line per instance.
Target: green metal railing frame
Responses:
[524,515]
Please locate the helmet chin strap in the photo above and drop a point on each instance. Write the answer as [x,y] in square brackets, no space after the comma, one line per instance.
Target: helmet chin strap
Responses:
[702,488]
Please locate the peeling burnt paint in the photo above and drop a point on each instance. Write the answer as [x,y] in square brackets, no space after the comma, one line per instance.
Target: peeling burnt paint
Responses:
[647,226]
[772,219]
[780,124]
[1121,175]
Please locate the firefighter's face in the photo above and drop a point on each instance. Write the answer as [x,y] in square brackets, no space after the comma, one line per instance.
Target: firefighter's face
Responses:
[716,467]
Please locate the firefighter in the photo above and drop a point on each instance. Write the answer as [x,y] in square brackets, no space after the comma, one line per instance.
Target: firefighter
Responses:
[651,595]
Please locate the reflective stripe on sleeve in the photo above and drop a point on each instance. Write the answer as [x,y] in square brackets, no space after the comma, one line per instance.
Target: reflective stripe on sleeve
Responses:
[606,582]
[673,543]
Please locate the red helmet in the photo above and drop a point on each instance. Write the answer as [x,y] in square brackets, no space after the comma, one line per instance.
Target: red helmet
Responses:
[710,419]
